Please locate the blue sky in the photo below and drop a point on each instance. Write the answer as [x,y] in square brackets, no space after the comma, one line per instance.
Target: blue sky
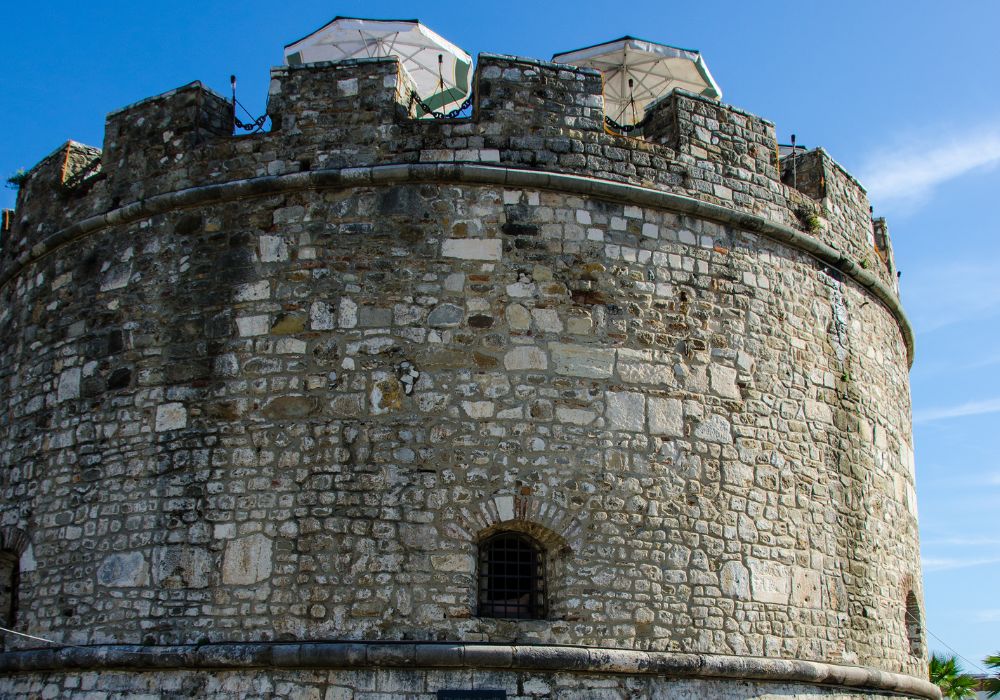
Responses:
[904,94]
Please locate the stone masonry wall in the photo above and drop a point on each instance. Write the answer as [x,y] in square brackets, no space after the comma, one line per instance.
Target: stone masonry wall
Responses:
[217,409]
[393,684]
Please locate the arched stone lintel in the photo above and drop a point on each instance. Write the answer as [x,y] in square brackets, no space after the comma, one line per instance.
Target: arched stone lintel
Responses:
[540,517]
[13,540]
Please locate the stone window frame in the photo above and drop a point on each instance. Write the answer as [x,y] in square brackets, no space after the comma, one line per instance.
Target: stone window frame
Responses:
[9,558]
[913,625]
[13,543]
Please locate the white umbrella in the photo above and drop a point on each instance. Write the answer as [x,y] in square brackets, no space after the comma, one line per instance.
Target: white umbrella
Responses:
[638,72]
[439,68]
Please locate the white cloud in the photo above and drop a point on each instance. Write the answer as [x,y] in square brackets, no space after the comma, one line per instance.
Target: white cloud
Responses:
[962,541]
[945,293]
[931,564]
[910,171]
[988,615]
[970,408]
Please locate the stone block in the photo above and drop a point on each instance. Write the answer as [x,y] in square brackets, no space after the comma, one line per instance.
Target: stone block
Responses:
[69,385]
[734,579]
[582,360]
[626,410]
[170,416]
[723,382]
[714,428]
[126,570]
[472,248]
[247,560]
[526,357]
[806,588]
[770,582]
[666,416]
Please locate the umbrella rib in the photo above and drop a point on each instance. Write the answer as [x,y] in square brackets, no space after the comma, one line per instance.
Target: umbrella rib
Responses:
[365,42]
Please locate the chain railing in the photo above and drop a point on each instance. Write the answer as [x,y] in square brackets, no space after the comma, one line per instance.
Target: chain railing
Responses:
[452,114]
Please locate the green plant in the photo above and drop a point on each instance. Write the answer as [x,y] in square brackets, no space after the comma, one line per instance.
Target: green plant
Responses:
[947,675]
[865,264]
[992,683]
[809,220]
[15,181]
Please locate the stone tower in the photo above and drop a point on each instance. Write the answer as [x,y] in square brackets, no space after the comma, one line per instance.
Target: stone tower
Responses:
[369,406]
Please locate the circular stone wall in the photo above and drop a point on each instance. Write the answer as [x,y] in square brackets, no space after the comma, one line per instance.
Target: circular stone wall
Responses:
[294,416]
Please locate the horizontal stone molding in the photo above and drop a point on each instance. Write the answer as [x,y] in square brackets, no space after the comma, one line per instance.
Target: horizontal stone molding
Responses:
[478,174]
[432,655]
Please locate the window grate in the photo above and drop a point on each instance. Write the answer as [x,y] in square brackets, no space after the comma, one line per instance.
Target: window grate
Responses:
[511,577]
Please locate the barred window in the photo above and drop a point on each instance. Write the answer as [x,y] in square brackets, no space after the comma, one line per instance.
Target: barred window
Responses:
[8,588]
[511,577]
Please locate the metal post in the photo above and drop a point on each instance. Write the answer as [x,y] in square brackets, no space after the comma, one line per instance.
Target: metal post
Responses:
[795,163]
[232,83]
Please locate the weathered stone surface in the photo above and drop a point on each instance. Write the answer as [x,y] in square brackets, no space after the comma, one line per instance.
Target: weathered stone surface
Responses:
[770,582]
[806,590]
[582,361]
[626,410]
[526,357]
[734,579]
[247,560]
[182,566]
[170,416]
[126,570]
[472,248]
[69,384]
[288,407]
[446,316]
[666,417]
[714,428]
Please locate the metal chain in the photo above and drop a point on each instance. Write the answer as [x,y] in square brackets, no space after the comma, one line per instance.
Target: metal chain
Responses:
[254,126]
[453,114]
[623,128]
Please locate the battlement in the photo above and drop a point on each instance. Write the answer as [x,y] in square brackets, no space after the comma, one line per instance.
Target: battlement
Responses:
[528,114]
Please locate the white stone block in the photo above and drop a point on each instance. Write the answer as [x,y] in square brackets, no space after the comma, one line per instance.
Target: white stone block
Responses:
[253,325]
[255,291]
[170,416]
[478,409]
[547,320]
[576,416]
[582,361]
[347,88]
[472,248]
[69,385]
[321,316]
[666,417]
[247,560]
[626,410]
[723,382]
[272,249]
[770,582]
[525,357]
[715,428]
[347,316]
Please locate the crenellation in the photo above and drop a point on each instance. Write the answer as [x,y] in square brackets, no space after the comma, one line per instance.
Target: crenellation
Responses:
[528,114]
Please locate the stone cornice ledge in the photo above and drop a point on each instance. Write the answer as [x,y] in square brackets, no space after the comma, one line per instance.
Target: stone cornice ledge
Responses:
[475,173]
[359,655]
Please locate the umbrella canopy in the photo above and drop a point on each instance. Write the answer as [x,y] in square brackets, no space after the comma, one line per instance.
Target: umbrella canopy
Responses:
[638,72]
[439,68]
